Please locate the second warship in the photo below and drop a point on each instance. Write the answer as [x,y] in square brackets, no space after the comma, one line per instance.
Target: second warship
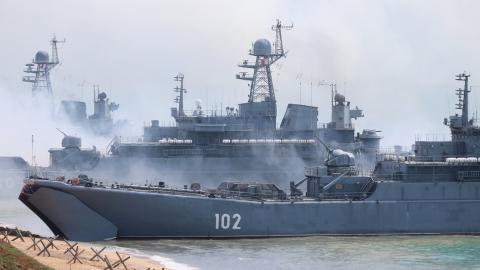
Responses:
[242,143]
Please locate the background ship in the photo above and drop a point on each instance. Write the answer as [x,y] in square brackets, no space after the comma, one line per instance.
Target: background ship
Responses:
[100,123]
[240,143]
[465,132]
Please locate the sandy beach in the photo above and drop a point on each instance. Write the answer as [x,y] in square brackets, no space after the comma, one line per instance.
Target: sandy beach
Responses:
[59,259]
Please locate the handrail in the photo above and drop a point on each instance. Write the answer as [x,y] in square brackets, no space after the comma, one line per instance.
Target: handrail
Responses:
[433,137]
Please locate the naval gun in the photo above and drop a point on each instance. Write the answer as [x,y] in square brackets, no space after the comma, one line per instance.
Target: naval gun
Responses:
[72,156]
[70,141]
[337,159]
[337,165]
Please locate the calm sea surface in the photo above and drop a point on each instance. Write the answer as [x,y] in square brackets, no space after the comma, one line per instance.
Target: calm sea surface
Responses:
[322,252]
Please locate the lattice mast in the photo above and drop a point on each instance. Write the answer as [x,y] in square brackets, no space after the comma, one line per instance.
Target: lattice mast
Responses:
[181,90]
[463,98]
[39,71]
[261,84]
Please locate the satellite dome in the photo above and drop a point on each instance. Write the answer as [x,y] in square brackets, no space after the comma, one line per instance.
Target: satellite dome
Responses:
[262,47]
[102,96]
[71,142]
[41,57]
[339,98]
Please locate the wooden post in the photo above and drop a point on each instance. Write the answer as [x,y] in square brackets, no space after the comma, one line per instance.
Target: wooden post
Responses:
[45,248]
[18,235]
[70,247]
[120,261]
[97,254]
[5,237]
[35,243]
[76,255]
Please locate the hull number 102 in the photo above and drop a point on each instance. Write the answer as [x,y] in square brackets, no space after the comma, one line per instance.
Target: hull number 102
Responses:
[226,222]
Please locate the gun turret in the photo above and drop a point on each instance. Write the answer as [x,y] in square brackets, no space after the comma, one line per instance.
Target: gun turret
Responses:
[70,141]
[337,157]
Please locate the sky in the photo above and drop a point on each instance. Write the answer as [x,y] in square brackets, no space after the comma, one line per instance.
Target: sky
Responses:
[396,60]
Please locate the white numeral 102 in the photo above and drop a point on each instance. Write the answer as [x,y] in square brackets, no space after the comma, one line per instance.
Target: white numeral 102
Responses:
[225,222]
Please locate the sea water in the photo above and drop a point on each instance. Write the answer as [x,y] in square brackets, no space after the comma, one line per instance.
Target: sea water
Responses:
[319,252]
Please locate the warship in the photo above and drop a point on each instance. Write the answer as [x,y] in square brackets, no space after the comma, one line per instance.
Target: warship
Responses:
[238,143]
[402,196]
[464,131]
[101,122]
[73,111]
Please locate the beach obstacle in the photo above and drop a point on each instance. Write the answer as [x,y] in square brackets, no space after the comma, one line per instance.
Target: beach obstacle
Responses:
[69,246]
[44,251]
[97,254]
[51,243]
[107,262]
[45,245]
[120,261]
[17,234]
[75,253]
[73,249]
[4,238]
[34,244]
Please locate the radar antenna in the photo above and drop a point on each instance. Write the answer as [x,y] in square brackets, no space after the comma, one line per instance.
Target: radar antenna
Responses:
[54,42]
[279,52]
[261,84]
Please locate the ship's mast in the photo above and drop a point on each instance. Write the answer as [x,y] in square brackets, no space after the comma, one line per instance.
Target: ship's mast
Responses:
[181,91]
[40,69]
[261,84]
[463,98]
[55,60]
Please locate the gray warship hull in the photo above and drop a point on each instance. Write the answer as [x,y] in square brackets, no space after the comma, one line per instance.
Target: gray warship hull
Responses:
[91,213]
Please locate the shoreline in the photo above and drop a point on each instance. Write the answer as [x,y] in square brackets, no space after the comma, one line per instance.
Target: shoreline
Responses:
[61,254]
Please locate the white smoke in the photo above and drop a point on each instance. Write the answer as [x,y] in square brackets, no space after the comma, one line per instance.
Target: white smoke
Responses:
[24,118]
